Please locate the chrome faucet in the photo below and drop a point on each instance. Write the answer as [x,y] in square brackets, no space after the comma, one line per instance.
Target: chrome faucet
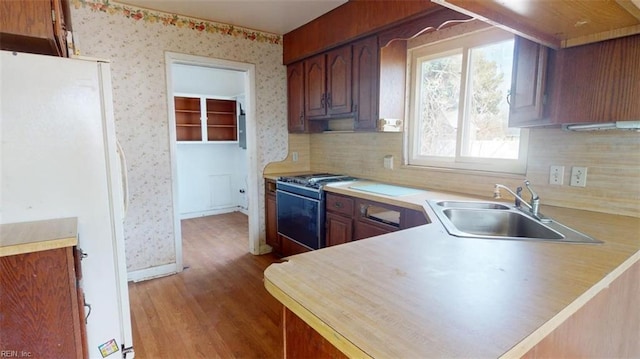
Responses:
[533,205]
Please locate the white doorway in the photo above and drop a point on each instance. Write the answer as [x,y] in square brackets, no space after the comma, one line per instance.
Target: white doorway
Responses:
[226,71]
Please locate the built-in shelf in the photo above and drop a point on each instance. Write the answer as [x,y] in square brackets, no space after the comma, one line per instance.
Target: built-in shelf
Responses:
[201,119]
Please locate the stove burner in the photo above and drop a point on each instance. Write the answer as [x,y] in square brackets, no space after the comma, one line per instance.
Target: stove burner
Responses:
[315,180]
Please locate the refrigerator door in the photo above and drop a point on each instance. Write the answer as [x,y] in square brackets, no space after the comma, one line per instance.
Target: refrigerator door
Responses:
[59,159]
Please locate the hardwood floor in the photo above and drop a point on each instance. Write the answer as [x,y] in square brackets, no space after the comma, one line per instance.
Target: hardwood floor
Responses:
[217,307]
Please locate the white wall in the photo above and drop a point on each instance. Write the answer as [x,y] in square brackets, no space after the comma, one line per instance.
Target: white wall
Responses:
[210,177]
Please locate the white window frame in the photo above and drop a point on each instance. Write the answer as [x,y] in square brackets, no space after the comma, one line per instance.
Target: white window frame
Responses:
[436,50]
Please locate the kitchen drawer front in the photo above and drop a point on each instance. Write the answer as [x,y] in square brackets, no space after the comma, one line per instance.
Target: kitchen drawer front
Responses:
[339,204]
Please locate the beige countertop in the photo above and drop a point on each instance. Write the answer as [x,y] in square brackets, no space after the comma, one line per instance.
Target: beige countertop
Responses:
[27,237]
[423,293]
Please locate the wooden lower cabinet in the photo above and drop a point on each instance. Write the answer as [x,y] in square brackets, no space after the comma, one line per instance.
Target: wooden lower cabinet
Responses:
[302,341]
[349,219]
[271,216]
[339,229]
[41,306]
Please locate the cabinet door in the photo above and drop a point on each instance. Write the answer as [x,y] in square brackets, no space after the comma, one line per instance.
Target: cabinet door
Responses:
[314,86]
[338,97]
[364,230]
[339,229]
[271,225]
[526,99]
[600,82]
[33,26]
[39,305]
[295,97]
[365,83]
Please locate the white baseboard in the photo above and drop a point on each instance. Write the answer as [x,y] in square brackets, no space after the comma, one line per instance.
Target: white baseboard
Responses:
[152,272]
[212,212]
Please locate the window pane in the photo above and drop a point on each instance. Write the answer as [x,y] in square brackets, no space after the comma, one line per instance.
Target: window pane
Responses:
[486,133]
[438,105]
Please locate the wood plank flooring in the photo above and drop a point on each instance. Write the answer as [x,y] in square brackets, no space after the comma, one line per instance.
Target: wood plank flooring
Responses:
[217,307]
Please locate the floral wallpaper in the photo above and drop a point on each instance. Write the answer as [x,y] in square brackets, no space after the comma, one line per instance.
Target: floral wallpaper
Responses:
[134,41]
[152,16]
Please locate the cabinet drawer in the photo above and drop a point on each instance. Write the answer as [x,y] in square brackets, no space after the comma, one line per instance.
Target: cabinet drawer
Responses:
[339,204]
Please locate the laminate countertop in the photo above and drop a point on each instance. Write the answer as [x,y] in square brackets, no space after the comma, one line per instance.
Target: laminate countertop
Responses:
[27,237]
[421,293]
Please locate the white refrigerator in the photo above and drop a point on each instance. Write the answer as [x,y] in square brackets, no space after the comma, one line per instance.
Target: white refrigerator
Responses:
[60,158]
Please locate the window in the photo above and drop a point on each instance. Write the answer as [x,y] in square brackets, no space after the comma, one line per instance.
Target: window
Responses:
[459,111]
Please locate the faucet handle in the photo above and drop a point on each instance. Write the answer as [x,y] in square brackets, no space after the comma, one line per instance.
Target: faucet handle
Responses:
[534,195]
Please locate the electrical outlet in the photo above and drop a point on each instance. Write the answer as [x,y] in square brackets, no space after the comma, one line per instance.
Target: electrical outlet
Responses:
[578,176]
[294,156]
[556,175]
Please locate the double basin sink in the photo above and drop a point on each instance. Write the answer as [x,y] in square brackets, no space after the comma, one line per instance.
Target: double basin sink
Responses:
[491,220]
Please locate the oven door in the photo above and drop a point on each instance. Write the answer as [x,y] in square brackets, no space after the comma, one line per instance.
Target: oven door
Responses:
[301,219]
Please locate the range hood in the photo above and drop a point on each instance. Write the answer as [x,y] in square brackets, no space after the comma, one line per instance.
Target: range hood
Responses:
[618,125]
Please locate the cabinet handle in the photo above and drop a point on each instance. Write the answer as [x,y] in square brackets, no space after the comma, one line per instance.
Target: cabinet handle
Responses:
[329,100]
[301,117]
[363,210]
[338,205]
[509,98]
[322,100]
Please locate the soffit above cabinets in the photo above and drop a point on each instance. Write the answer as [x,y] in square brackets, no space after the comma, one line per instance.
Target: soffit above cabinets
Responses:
[556,23]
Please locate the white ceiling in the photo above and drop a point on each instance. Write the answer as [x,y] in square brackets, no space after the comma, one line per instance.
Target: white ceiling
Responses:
[274,16]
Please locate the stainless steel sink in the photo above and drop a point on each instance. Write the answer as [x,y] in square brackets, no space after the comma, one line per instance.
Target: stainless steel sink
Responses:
[489,220]
[466,204]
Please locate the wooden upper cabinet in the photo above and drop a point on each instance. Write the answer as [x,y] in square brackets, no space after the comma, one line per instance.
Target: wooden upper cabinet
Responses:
[526,98]
[598,82]
[34,26]
[314,86]
[338,96]
[365,83]
[327,83]
[295,97]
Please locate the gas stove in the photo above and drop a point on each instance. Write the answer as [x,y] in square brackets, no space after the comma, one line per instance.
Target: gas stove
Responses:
[300,204]
[315,180]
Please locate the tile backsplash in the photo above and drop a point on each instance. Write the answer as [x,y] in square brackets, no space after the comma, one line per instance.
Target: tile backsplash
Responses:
[612,159]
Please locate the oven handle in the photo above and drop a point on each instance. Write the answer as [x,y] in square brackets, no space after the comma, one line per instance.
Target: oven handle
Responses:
[297,195]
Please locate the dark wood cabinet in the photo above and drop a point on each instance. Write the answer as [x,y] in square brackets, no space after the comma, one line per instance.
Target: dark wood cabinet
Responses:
[270,216]
[526,98]
[338,96]
[42,307]
[365,83]
[339,229]
[375,218]
[295,97]
[327,83]
[315,86]
[339,219]
[599,82]
[348,218]
[35,26]
[592,83]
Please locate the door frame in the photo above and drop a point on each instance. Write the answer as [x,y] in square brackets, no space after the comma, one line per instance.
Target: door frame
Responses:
[251,129]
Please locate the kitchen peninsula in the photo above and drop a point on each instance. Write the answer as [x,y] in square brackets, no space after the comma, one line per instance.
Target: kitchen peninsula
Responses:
[423,293]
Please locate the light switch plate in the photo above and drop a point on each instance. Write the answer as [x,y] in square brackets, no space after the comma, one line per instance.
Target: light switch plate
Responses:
[578,176]
[388,162]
